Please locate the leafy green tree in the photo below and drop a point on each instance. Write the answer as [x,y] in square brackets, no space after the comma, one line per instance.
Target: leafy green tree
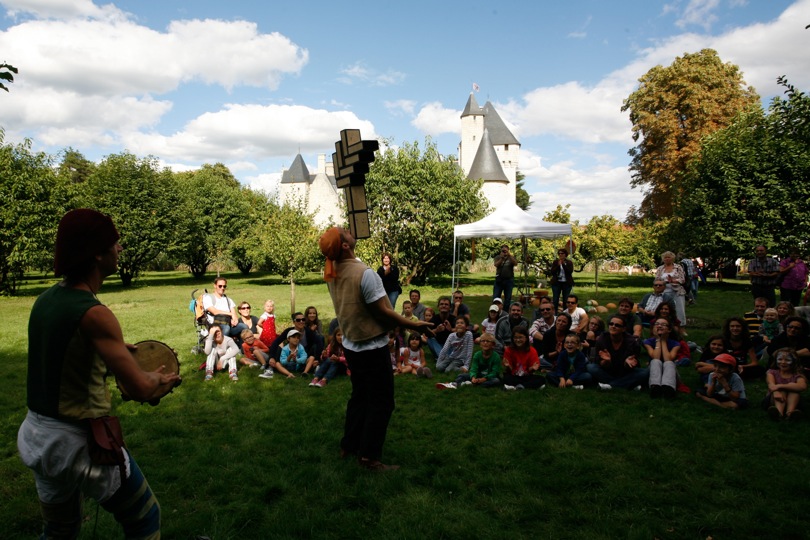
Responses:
[671,111]
[599,240]
[288,238]
[213,212]
[245,250]
[75,166]
[6,71]
[751,184]
[522,198]
[142,199]
[415,197]
[33,204]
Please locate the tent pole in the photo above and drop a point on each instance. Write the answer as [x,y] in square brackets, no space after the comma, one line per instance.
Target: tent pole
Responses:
[453,280]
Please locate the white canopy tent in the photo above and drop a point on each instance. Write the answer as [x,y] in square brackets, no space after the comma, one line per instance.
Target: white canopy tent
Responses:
[508,221]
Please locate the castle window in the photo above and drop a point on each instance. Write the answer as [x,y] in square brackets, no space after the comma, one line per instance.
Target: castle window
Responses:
[506,148]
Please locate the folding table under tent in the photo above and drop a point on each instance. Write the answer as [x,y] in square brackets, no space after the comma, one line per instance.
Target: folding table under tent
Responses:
[509,221]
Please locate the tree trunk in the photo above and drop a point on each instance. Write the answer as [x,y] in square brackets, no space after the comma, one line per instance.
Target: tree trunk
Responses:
[596,275]
[292,295]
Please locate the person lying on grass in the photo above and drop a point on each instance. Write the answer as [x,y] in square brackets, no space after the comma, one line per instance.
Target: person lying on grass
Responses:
[786,382]
[485,368]
[725,388]
[572,366]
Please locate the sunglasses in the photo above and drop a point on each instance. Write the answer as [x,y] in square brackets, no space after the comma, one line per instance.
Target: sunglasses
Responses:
[222,286]
[244,307]
[300,320]
[570,302]
[546,309]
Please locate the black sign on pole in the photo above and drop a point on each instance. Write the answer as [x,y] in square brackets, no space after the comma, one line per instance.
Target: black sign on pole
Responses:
[351,160]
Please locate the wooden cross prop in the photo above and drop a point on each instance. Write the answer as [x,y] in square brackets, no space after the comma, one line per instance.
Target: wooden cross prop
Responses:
[351,160]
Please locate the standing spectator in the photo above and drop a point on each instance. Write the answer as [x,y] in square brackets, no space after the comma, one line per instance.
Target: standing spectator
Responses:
[562,277]
[389,274]
[690,272]
[505,264]
[793,276]
[672,274]
[763,271]
[365,317]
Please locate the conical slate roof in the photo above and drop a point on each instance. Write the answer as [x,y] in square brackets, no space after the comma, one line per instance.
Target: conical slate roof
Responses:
[472,108]
[297,173]
[498,132]
[486,164]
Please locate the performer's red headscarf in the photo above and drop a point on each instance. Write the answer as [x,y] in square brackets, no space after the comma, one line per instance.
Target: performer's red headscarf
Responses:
[331,244]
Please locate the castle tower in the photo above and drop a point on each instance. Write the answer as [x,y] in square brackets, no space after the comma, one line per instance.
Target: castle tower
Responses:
[316,192]
[497,163]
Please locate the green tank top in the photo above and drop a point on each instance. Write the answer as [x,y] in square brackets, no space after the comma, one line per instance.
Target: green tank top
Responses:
[66,378]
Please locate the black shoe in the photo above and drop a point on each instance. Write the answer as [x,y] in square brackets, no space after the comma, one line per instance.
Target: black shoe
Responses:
[655,391]
[669,392]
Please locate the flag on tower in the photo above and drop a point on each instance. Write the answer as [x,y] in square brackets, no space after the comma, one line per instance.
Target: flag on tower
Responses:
[475,87]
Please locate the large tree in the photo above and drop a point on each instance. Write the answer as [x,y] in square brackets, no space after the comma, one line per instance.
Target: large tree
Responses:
[142,200]
[415,197]
[673,108]
[213,213]
[33,203]
[751,184]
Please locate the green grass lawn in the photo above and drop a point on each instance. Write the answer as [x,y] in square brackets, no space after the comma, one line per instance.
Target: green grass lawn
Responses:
[259,458]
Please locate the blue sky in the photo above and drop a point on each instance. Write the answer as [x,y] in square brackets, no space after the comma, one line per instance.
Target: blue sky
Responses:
[250,84]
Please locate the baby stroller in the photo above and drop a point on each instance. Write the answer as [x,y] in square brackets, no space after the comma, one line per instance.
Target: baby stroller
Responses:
[200,320]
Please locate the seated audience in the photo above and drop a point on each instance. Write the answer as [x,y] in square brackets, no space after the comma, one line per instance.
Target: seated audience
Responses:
[617,364]
[740,345]
[488,325]
[754,318]
[309,340]
[650,301]
[795,337]
[554,339]
[596,327]
[293,355]
[456,354]
[770,327]
[221,353]
[443,324]
[485,368]
[221,310]
[715,345]
[572,366]
[632,322]
[785,310]
[663,350]
[579,319]
[520,361]
[250,321]
[507,325]
[333,361]
[412,358]
[725,387]
[543,322]
[256,353]
[786,381]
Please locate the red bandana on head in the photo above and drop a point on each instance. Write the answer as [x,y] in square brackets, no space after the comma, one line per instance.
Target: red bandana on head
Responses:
[331,244]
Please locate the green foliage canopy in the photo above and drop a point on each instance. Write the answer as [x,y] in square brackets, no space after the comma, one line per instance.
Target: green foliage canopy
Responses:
[415,197]
[673,108]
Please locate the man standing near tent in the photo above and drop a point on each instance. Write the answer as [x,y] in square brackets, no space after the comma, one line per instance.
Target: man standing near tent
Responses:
[365,317]
[505,264]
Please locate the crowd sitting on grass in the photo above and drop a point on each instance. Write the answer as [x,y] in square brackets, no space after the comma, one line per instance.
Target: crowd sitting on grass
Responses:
[639,346]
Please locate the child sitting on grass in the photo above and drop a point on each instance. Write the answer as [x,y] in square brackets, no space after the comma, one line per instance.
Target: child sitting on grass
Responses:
[412,358]
[786,382]
[770,326]
[267,323]
[570,357]
[293,356]
[221,353]
[520,361]
[456,354]
[705,366]
[725,387]
[485,368]
[407,312]
[333,361]
[256,353]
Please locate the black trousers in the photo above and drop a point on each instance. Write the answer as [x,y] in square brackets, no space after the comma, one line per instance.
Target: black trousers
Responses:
[371,403]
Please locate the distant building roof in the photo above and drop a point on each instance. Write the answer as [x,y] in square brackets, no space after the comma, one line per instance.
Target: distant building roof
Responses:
[472,108]
[498,132]
[297,173]
[487,165]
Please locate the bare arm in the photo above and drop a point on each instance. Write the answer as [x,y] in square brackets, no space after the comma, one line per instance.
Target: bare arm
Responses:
[102,328]
[390,318]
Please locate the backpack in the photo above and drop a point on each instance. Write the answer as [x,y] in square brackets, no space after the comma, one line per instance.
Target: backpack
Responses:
[196,306]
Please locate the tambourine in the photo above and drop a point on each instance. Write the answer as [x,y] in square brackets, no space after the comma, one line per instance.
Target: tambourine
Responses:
[150,355]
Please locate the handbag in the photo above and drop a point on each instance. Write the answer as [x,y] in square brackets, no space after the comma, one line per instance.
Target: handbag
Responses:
[105,443]
[222,319]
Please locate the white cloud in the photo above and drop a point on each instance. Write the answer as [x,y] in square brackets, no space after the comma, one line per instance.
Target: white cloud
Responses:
[434,119]
[121,57]
[699,13]
[359,72]
[62,9]
[267,183]
[401,107]
[246,132]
